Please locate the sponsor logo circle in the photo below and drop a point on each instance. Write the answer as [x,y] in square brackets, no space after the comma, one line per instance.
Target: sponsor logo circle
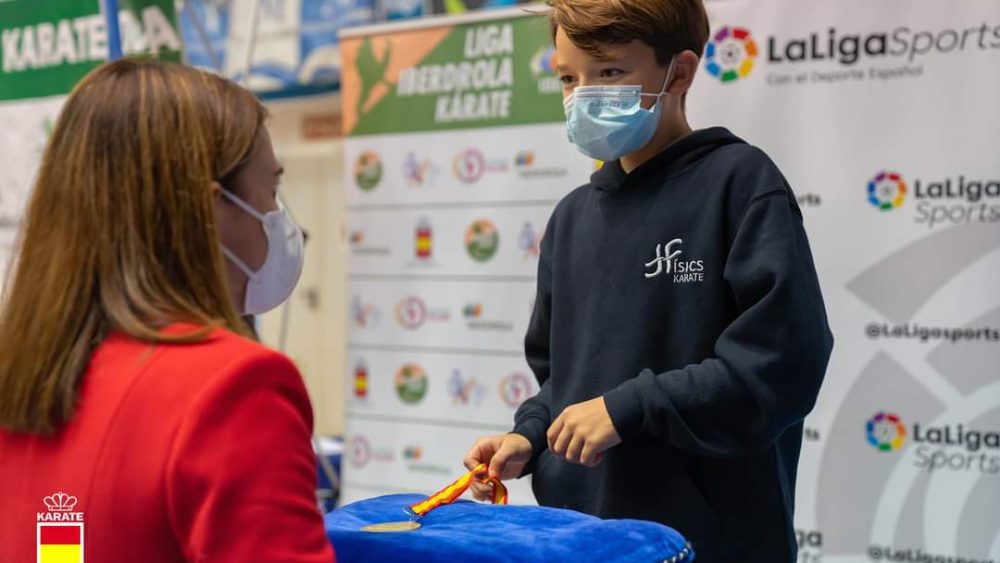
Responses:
[514,389]
[887,190]
[544,61]
[482,239]
[731,53]
[469,165]
[361,451]
[368,170]
[411,312]
[885,432]
[411,383]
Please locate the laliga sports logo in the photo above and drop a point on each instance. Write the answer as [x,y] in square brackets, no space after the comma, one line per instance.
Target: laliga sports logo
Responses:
[885,432]
[887,190]
[730,54]
[955,200]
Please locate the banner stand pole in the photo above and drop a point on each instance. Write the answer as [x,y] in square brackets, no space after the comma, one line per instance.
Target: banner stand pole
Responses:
[114,33]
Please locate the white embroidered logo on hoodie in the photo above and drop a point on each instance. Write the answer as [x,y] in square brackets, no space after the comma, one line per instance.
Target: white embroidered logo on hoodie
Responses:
[666,263]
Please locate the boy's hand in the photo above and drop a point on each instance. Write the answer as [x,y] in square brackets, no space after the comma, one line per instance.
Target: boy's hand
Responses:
[583,432]
[507,455]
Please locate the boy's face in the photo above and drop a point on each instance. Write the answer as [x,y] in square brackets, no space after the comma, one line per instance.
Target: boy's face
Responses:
[621,63]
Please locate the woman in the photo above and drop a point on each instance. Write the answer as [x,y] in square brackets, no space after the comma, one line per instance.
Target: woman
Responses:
[130,397]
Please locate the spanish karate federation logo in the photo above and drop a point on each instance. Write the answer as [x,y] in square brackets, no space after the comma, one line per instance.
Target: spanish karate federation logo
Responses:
[59,530]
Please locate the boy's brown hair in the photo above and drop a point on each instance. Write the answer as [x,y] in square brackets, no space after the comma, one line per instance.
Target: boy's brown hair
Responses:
[667,26]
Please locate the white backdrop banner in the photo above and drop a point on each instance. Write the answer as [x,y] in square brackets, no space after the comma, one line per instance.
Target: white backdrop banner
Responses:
[885,118]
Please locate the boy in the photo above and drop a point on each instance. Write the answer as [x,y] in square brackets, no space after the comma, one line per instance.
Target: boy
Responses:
[679,334]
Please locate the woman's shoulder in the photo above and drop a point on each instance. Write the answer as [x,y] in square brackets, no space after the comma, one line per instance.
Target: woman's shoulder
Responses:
[220,362]
[224,355]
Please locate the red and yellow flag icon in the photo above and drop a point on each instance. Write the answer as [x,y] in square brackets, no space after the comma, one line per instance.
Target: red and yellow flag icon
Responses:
[60,543]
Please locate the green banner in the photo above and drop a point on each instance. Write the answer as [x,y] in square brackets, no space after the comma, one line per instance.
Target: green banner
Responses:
[47,46]
[485,74]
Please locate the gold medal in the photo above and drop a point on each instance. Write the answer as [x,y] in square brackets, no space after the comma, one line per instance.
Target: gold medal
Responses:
[407,526]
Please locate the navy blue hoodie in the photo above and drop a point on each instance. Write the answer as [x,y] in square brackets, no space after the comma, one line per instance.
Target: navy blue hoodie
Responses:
[685,294]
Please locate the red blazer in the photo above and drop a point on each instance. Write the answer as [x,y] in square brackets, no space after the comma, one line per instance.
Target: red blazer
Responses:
[196,452]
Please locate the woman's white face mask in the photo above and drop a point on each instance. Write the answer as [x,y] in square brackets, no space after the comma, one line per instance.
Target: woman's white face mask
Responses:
[273,283]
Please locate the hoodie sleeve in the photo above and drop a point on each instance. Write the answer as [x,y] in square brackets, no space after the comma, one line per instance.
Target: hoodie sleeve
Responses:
[768,363]
[534,416]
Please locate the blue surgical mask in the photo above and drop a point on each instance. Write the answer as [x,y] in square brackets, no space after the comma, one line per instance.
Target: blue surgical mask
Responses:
[609,122]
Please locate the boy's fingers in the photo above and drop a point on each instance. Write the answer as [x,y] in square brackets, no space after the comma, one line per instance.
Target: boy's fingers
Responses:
[471,459]
[481,452]
[469,462]
[554,432]
[481,491]
[497,466]
[587,454]
[574,449]
[499,460]
[562,442]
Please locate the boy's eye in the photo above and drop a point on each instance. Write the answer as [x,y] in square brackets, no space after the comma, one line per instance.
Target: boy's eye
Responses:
[610,72]
[566,79]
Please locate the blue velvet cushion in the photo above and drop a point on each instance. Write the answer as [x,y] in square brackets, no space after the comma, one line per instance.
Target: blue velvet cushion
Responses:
[467,531]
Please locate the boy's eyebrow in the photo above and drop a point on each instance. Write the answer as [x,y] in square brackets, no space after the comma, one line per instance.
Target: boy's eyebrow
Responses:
[604,59]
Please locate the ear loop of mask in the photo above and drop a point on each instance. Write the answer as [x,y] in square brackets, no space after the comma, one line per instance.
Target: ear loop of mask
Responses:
[666,81]
[243,205]
[238,263]
[257,215]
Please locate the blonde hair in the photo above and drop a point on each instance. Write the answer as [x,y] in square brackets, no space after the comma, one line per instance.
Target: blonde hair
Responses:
[120,232]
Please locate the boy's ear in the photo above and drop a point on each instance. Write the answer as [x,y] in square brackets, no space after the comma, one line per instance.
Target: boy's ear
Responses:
[685,66]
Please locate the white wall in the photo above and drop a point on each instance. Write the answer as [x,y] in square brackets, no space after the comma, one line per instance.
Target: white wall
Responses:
[314,320]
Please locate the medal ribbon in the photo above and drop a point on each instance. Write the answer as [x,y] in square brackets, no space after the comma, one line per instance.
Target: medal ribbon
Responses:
[450,493]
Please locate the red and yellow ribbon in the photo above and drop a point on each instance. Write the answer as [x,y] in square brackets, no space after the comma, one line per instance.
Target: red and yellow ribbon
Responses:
[450,493]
